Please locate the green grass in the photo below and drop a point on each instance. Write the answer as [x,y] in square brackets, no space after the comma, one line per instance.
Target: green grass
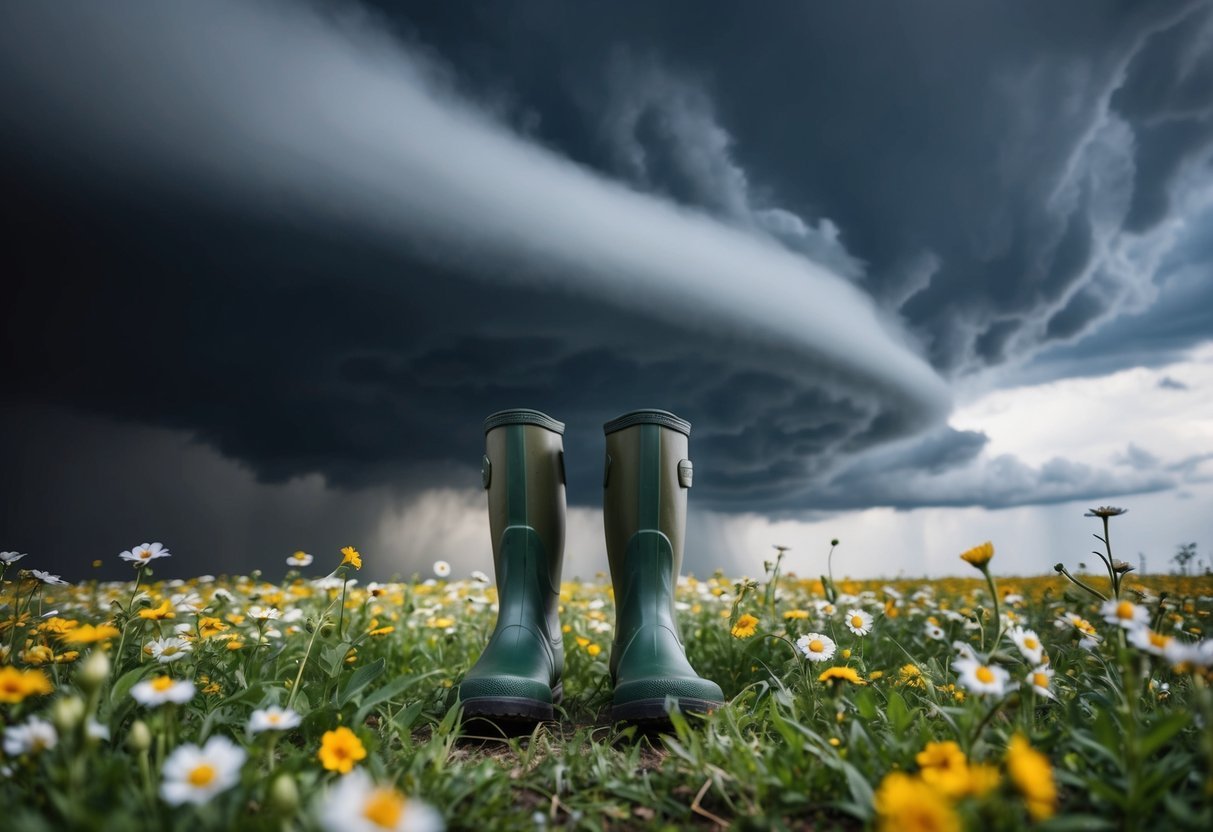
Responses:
[1127,739]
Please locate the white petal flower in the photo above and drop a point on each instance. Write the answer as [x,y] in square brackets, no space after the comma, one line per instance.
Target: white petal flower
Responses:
[31,737]
[260,613]
[356,804]
[145,553]
[981,678]
[48,578]
[9,558]
[934,631]
[442,568]
[1124,614]
[165,650]
[479,577]
[195,775]
[299,559]
[273,718]
[1028,643]
[859,622]
[1041,680]
[1143,638]
[816,647]
[162,689]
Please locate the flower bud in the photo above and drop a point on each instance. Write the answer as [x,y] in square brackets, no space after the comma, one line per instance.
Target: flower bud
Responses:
[94,672]
[284,794]
[140,737]
[66,713]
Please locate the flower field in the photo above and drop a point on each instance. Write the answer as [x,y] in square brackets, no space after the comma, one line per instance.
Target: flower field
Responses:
[316,701]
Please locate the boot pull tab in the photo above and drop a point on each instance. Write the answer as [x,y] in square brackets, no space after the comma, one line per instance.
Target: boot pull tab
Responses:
[486,471]
[606,472]
[686,472]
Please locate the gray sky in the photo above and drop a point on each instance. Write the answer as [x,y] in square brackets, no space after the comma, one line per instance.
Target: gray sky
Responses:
[912,275]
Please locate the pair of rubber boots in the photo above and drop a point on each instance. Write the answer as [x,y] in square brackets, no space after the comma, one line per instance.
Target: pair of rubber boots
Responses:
[518,677]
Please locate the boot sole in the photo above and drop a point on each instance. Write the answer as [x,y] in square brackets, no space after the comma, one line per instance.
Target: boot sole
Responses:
[514,707]
[654,710]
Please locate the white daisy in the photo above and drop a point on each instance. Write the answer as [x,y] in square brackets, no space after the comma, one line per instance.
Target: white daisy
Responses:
[48,578]
[259,613]
[155,692]
[356,804]
[165,650]
[1124,614]
[273,718]
[1028,643]
[1143,638]
[965,651]
[980,678]
[859,622]
[816,647]
[195,775]
[1041,680]
[479,577]
[145,553]
[825,607]
[934,631]
[9,558]
[31,737]
[442,568]
[299,559]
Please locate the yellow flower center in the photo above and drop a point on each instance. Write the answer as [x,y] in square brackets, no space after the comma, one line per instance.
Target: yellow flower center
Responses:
[145,553]
[202,775]
[1041,680]
[857,622]
[1158,640]
[273,719]
[985,675]
[384,808]
[816,646]
[1031,643]
[1124,610]
[162,683]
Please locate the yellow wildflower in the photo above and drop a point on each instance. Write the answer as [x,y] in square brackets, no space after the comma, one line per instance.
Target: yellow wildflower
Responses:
[208,627]
[340,750]
[979,556]
[165,610]
[16,685]
[910,675]
[944,766]
[375,630]
[796,615]
[907,804]
[745,627]
[593,649]
[1032,775]
[841,674]
[56,626]
[352,557]
[89,634]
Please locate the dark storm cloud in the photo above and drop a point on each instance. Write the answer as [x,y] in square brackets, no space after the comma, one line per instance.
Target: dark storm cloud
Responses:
[283,228]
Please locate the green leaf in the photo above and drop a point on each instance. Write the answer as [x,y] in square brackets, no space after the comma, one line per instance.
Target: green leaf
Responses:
[362,677]
[390,691]
[898,713]
[1077,823]
[1163,731]
[125,682]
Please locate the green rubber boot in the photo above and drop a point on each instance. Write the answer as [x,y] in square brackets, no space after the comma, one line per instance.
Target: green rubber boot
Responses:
[517,677]
[644,511]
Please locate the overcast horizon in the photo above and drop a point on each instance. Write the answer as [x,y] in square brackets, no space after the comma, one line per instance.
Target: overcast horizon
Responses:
[918,279]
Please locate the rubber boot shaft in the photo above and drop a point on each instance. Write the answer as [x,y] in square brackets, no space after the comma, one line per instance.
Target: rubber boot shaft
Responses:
[645,484]
[518,676]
